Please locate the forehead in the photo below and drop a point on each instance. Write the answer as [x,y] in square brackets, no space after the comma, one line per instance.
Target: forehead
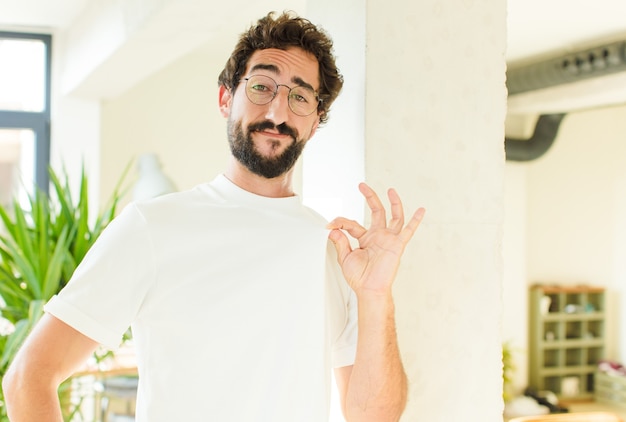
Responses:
[292,64]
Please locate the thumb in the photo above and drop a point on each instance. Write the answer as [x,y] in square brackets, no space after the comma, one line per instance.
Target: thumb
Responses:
[342,244]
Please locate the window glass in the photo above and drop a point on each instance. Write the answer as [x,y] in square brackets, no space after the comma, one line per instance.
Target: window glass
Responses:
[22,74]
[17,165]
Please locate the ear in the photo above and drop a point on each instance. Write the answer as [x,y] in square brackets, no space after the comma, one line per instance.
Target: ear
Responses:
[225,100]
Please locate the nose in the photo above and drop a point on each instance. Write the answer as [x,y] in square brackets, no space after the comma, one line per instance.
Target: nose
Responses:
[278,108]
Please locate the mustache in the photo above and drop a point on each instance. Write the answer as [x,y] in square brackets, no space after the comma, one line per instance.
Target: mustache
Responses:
[282,128]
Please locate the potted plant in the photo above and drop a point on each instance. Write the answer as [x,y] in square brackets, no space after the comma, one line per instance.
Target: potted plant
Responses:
[41,245]
[508,368]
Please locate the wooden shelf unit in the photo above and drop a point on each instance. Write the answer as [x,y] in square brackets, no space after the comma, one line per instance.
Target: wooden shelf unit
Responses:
[566,339]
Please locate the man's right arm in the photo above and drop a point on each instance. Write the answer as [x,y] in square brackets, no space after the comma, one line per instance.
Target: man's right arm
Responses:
[50,354]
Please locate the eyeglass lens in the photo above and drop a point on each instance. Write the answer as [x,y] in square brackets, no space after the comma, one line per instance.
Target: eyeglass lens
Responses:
[262,89]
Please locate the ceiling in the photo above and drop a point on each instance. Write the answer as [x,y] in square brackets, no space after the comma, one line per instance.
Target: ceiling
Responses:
[538,27]
[39,13]
[535,28]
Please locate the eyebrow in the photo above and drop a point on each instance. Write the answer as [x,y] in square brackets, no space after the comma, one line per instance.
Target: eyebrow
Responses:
[274,69]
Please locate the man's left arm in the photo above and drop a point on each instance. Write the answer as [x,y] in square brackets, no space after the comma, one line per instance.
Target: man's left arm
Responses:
[375,387]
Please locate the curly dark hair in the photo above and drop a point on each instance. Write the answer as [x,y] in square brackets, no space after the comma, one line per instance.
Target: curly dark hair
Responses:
[287,30]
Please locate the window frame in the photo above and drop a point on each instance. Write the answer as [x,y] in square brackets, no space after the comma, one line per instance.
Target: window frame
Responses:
[37,121]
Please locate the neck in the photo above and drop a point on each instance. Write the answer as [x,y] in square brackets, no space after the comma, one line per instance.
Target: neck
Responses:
[278,187]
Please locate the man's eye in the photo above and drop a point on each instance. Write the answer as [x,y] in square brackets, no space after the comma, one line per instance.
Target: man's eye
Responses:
[260,88]
[299,98]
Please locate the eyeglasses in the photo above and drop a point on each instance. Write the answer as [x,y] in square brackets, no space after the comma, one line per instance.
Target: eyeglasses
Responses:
[261,90]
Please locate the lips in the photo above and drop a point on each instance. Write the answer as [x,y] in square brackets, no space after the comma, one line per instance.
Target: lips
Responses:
[273,134]
[268,128]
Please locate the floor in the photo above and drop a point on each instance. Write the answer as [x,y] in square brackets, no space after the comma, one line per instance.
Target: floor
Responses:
[596,407]
[592,406]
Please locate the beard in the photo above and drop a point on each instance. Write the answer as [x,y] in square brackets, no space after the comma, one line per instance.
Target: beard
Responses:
[243,149]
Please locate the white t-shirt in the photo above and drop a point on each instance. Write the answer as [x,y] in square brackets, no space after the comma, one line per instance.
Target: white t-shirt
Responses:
[237,305]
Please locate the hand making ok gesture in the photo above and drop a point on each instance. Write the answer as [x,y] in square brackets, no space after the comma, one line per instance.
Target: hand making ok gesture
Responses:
[371,268]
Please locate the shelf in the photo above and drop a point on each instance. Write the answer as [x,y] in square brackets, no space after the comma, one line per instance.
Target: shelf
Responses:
[571,370]
[561,344]
[582,316]
[565,371]
[560,289]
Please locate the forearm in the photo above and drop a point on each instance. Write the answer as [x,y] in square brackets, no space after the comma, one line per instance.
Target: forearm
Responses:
[377,388]
[50,354]
[31,401]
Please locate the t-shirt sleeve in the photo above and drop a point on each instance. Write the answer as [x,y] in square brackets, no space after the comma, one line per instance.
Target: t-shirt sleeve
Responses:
[106,291]
[343,313]
[344,349]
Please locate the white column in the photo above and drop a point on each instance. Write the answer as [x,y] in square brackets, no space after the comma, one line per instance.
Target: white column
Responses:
[434,129]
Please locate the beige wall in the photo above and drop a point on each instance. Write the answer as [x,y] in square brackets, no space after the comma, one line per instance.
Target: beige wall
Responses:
[515,279]
[566,223]
[174,114]
[576,202]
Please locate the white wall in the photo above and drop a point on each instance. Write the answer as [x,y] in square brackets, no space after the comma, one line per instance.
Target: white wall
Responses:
[334,163]
[75,128]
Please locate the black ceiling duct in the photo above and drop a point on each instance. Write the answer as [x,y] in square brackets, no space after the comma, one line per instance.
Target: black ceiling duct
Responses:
[529,149]
[573,67]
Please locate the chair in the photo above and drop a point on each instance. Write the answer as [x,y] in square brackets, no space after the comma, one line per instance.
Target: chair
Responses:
[117,398]
[571,417]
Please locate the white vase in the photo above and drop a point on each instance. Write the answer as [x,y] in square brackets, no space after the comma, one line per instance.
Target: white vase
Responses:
[152,181]
[544,304]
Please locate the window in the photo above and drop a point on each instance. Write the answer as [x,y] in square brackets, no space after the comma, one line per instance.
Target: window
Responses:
[24,113]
